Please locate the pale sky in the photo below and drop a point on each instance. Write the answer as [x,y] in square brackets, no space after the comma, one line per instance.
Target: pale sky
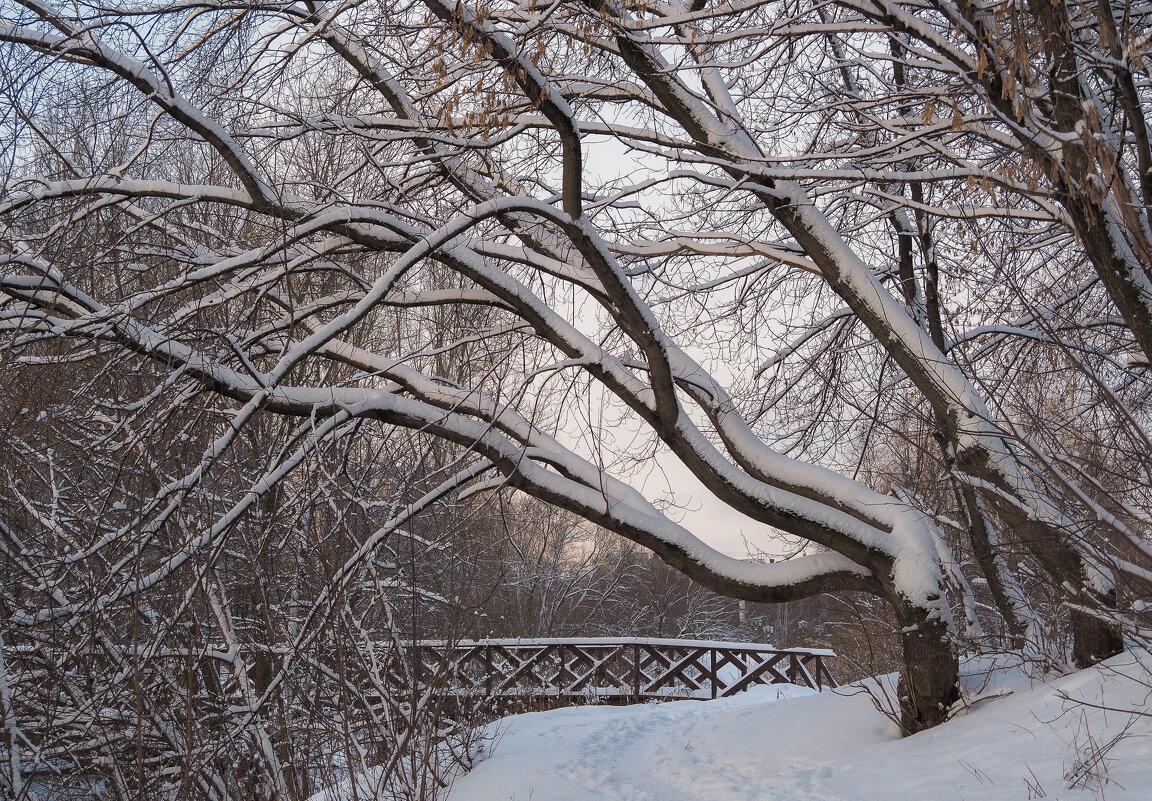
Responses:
[698,510]
[704,515]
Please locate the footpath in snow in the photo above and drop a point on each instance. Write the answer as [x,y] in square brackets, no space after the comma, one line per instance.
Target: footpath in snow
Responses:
[1024,739]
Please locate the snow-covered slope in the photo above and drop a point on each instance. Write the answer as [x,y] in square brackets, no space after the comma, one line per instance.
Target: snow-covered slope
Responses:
[1024,739]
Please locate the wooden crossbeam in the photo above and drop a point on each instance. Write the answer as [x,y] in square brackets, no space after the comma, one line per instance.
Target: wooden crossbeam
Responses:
[678,671]
[596,668]
[755,676]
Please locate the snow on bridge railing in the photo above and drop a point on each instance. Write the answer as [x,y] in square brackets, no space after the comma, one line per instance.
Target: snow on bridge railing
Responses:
[618,668]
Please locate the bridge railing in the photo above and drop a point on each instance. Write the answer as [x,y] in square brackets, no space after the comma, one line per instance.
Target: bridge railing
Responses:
[613,669]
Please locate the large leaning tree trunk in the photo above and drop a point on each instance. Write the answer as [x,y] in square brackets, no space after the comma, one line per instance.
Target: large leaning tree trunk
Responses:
[738,233]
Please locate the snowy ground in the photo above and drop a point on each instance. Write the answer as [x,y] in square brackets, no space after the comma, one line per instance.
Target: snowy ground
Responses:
[1025,739]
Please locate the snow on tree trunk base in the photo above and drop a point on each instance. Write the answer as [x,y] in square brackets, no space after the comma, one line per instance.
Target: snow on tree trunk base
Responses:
[929,682]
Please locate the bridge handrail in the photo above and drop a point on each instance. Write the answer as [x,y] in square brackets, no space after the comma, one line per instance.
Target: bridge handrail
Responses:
[633,667]
[528,642]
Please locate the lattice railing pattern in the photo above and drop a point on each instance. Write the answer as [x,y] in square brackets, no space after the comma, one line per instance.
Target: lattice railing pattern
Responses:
[624,669]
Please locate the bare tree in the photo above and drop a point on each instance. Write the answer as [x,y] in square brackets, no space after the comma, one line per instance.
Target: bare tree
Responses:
[368,218]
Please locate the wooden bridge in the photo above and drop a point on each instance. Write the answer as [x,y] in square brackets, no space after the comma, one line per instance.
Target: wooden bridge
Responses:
[625,670]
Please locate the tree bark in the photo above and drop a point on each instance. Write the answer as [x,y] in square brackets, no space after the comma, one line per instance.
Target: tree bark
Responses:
[930,680]
[1093,639]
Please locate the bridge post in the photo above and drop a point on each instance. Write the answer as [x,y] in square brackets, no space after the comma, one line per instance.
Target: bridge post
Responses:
[561,670]
[636,670]
[488,670]
[712,670]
